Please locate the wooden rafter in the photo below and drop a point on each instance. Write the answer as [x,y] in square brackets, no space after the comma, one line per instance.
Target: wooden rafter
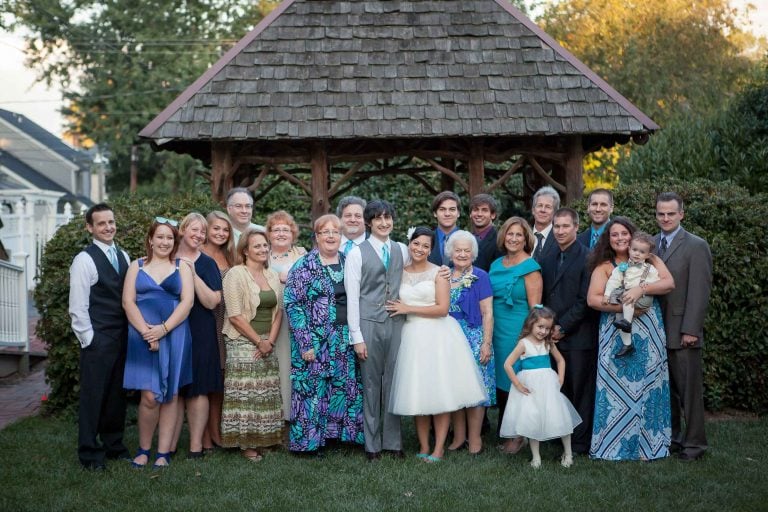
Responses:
[503,179]
[293,179]
[448,172]
[544,175]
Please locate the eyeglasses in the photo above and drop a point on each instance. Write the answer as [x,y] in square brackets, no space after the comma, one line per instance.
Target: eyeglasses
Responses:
[328,233]
[163,220]
[238,206]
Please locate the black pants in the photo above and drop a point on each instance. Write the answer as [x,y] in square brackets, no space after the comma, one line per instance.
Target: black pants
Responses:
[102,400]
[579,387]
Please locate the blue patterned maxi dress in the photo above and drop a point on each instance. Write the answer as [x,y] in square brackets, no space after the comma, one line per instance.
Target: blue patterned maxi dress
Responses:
[326,394]
[632,409]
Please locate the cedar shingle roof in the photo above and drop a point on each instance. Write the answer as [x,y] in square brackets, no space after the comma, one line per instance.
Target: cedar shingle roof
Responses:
[380,69]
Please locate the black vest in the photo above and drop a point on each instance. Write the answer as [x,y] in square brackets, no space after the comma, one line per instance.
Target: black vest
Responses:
[106,299]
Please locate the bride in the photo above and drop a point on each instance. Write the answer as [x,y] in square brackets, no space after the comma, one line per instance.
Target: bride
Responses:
[435,373]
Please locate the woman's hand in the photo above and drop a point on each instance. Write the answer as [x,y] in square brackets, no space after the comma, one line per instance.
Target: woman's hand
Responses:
[154,346]
[485,353]
[153,333]
[395,307]
[309,355]
[190,264]
[265,346]
[632,295]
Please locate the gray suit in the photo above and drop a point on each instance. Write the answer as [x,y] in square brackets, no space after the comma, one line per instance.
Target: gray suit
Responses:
[689,260]
[382,338]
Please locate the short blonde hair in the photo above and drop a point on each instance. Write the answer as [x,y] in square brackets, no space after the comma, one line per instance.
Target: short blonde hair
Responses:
[325,219]
[191,218]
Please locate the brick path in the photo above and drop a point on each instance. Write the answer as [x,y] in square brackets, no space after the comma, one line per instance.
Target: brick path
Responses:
[21,396]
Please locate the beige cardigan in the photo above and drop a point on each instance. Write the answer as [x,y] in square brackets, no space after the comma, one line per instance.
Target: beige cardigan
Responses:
[241,296]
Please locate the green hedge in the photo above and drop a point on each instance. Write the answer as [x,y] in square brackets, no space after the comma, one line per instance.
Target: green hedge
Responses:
[734,224]
[133,216]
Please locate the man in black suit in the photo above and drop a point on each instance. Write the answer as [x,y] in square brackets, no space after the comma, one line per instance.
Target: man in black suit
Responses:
[99,323]
[689,260]
[566,280]
[446,207]
[599,209]
[544,204]
[482,213]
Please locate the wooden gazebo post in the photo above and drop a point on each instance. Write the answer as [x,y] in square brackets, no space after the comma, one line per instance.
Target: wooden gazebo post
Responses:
[476,167]
[319,165]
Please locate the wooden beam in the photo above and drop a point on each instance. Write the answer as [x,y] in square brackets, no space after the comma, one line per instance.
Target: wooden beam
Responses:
[256,182]
[449,172]
[424,183]
[574,170]
[347,175]
[221,169]
[543,174]
[293,179]
[476,166]
[319,163]
[503,179]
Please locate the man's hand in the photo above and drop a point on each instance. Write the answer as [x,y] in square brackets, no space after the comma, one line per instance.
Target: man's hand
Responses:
[361,350]
[687,340]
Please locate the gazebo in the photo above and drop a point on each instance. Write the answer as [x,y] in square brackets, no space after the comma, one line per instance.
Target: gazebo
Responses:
[327,93]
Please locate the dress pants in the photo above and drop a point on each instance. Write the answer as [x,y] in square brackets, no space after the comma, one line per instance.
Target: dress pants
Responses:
[687,400]
[579,387]
[381,427]
[102,400]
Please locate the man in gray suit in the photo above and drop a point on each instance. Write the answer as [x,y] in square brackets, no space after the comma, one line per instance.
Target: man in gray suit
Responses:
[690,262]
[372,274]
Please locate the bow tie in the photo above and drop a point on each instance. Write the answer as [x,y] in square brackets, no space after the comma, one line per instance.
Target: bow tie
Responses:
[635,264]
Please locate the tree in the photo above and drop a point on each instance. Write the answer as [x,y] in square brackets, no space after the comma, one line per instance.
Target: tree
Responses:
[120,62]
[665,56]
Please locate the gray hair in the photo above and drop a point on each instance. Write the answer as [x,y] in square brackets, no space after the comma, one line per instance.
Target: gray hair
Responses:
[238,190]
[461,236]
[348,200]
[546,190]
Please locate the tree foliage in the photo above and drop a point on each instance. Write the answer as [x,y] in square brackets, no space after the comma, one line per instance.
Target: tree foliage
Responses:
[121,62]
[664,55]
[730,144]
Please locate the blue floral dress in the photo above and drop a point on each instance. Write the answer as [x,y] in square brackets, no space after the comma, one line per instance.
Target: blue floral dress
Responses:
[326,394]
[632,408]
[465,308]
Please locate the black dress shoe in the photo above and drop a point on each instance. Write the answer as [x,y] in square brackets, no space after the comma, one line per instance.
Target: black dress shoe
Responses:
[372,456]
[119,456]
[623,325]
[687,457]
[95,467]
[196,455]
[398,454]
[675,448]
[625,350]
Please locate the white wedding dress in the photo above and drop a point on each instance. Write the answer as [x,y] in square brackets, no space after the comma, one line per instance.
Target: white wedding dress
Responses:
[435,370]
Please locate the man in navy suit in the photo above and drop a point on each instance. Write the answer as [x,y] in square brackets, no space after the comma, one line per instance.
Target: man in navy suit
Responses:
[566,280]
[599,209]
[544,204]
[446,207]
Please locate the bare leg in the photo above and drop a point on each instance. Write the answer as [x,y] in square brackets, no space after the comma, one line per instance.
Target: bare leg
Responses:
[536,456]
[149,412]
[197,418]
[212,434]
[567,459]
[169,413]
[442,423]
[179,424]
[475,417]
[422,432]
[459,420]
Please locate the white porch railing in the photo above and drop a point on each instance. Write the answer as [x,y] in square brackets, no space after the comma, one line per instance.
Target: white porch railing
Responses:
[14,324]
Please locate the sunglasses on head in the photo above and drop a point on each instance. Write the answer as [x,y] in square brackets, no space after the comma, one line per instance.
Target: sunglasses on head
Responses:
[163,220]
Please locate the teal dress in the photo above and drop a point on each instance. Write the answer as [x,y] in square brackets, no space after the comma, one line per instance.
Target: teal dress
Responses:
[510,308]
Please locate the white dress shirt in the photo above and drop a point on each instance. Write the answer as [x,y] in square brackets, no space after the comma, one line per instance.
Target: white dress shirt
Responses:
[83,275]
[352,274]
[544,232]
[356,241]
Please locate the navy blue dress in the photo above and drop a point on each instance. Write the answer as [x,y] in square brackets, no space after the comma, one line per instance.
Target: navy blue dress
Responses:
[206,365]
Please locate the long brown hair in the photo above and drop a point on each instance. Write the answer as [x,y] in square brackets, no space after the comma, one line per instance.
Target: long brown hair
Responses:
[602,250]
[536,313]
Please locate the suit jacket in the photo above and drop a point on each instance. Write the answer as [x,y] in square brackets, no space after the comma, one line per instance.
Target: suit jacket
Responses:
[689,260]
[584,237]
[487,251]
[550,247]
[565,292]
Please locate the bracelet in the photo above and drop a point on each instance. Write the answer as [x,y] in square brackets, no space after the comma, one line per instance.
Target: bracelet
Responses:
[165,327]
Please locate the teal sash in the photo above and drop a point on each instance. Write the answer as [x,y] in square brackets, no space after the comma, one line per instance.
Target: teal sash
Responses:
[532,363]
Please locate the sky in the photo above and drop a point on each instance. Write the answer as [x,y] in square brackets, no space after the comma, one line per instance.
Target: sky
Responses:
[21,92]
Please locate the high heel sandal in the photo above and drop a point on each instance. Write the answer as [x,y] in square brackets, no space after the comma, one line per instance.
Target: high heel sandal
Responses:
[139,453]
[158,456]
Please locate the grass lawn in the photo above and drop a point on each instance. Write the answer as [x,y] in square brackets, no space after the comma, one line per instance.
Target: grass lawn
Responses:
[39,472]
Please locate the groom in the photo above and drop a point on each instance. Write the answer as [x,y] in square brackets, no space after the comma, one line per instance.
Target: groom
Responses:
[372,274]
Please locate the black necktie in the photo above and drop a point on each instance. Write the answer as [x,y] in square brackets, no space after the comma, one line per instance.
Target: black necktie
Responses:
[561,260]
[663,247]
[539,245]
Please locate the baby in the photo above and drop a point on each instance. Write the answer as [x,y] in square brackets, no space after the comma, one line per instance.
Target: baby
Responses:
[636,272]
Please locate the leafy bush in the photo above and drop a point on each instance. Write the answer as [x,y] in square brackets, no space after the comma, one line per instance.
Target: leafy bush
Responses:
[733,222]
[133,216]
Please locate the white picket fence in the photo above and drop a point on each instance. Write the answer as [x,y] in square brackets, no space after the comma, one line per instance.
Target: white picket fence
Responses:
[27,231]
[14,324]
